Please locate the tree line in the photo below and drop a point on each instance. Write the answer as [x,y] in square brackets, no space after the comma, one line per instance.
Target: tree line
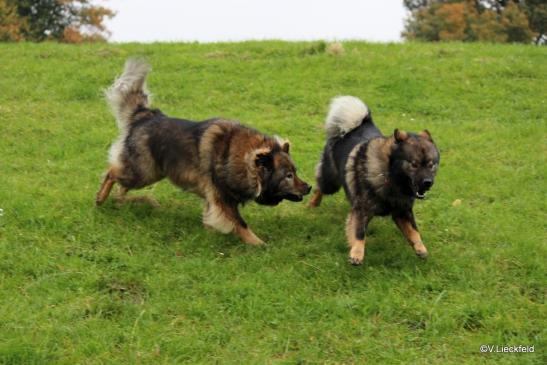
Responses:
[71,21]
[522,21]
[76,21]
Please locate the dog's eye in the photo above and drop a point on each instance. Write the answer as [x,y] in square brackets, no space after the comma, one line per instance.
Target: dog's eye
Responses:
[414,164]
[290,175]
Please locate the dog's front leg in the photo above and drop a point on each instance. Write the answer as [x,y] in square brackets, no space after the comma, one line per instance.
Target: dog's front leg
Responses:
[226,218]
[242,230]
[248,236]
[315,200]
[356,227]
[407,224]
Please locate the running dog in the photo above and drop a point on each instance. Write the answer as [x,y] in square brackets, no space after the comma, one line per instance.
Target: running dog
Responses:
[380,175]
[224,162]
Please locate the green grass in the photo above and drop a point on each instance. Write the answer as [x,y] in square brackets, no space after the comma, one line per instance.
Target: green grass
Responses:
[133,284]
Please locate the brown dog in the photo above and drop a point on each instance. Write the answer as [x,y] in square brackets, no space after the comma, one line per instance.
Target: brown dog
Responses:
[222,161]
[380,175]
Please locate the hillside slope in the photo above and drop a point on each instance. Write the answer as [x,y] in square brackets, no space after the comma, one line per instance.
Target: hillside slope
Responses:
[132,284]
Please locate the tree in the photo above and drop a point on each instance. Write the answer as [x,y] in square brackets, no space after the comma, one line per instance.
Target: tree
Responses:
[11,25]
[71,21]
[476,20]
[415,4]
[537,16]
[485,27]
[516,24]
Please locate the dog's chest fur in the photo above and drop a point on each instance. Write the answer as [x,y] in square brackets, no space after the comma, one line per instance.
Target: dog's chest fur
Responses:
[367,183]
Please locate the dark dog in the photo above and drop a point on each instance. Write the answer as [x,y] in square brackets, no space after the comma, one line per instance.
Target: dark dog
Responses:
[380,175]
[224,162]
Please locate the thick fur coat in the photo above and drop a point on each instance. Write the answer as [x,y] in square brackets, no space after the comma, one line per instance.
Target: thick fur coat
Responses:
[381,175]
[225,163]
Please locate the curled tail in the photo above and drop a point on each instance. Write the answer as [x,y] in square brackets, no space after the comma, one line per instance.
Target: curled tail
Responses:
[345,114]
[129,93]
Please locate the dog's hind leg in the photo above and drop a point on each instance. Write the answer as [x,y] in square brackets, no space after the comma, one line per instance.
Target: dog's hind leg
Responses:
[122,197]
[356,226]
[106,187]
[407,225]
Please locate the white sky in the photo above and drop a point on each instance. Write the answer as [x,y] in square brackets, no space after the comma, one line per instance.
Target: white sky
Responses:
[235,20]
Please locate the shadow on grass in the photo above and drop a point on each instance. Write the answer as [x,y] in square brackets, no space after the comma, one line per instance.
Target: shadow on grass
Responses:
[321,231]
[308,234]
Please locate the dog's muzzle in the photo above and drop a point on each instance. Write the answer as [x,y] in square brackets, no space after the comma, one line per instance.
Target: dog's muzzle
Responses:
[424,187]
[298,197]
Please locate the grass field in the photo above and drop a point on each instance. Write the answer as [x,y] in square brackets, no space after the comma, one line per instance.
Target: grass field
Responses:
[134,284]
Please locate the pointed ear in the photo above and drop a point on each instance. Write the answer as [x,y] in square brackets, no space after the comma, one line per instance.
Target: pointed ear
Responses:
[400,136]
[286,146]
[284,143]
[425,134]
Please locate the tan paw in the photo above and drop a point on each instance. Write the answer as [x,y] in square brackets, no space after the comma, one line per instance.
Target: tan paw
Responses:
[422,254]
[255,241]
[420,250]
[356,256]
[248,236]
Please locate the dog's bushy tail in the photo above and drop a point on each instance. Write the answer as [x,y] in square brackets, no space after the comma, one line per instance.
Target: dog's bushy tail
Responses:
[345,114]
[129,92]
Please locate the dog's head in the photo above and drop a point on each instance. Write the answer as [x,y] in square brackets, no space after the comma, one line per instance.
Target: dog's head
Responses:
[278,177]
[414,162]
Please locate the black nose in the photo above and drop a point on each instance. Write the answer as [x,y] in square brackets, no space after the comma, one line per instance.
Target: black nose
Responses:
[427,183]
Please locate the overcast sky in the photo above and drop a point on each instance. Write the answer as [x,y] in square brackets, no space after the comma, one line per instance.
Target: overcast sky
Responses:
[234,20]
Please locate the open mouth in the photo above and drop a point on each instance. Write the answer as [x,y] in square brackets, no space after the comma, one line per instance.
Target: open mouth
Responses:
[419,191]
[294,197]
[276,199]
[271,200]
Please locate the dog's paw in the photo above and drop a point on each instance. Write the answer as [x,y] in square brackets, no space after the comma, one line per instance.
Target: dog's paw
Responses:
[357,254]
[355,261]
[257,242]
[421,254]
[251,239]
[420,250]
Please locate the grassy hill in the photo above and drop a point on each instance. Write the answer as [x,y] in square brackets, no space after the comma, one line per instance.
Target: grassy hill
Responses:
[134,284]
